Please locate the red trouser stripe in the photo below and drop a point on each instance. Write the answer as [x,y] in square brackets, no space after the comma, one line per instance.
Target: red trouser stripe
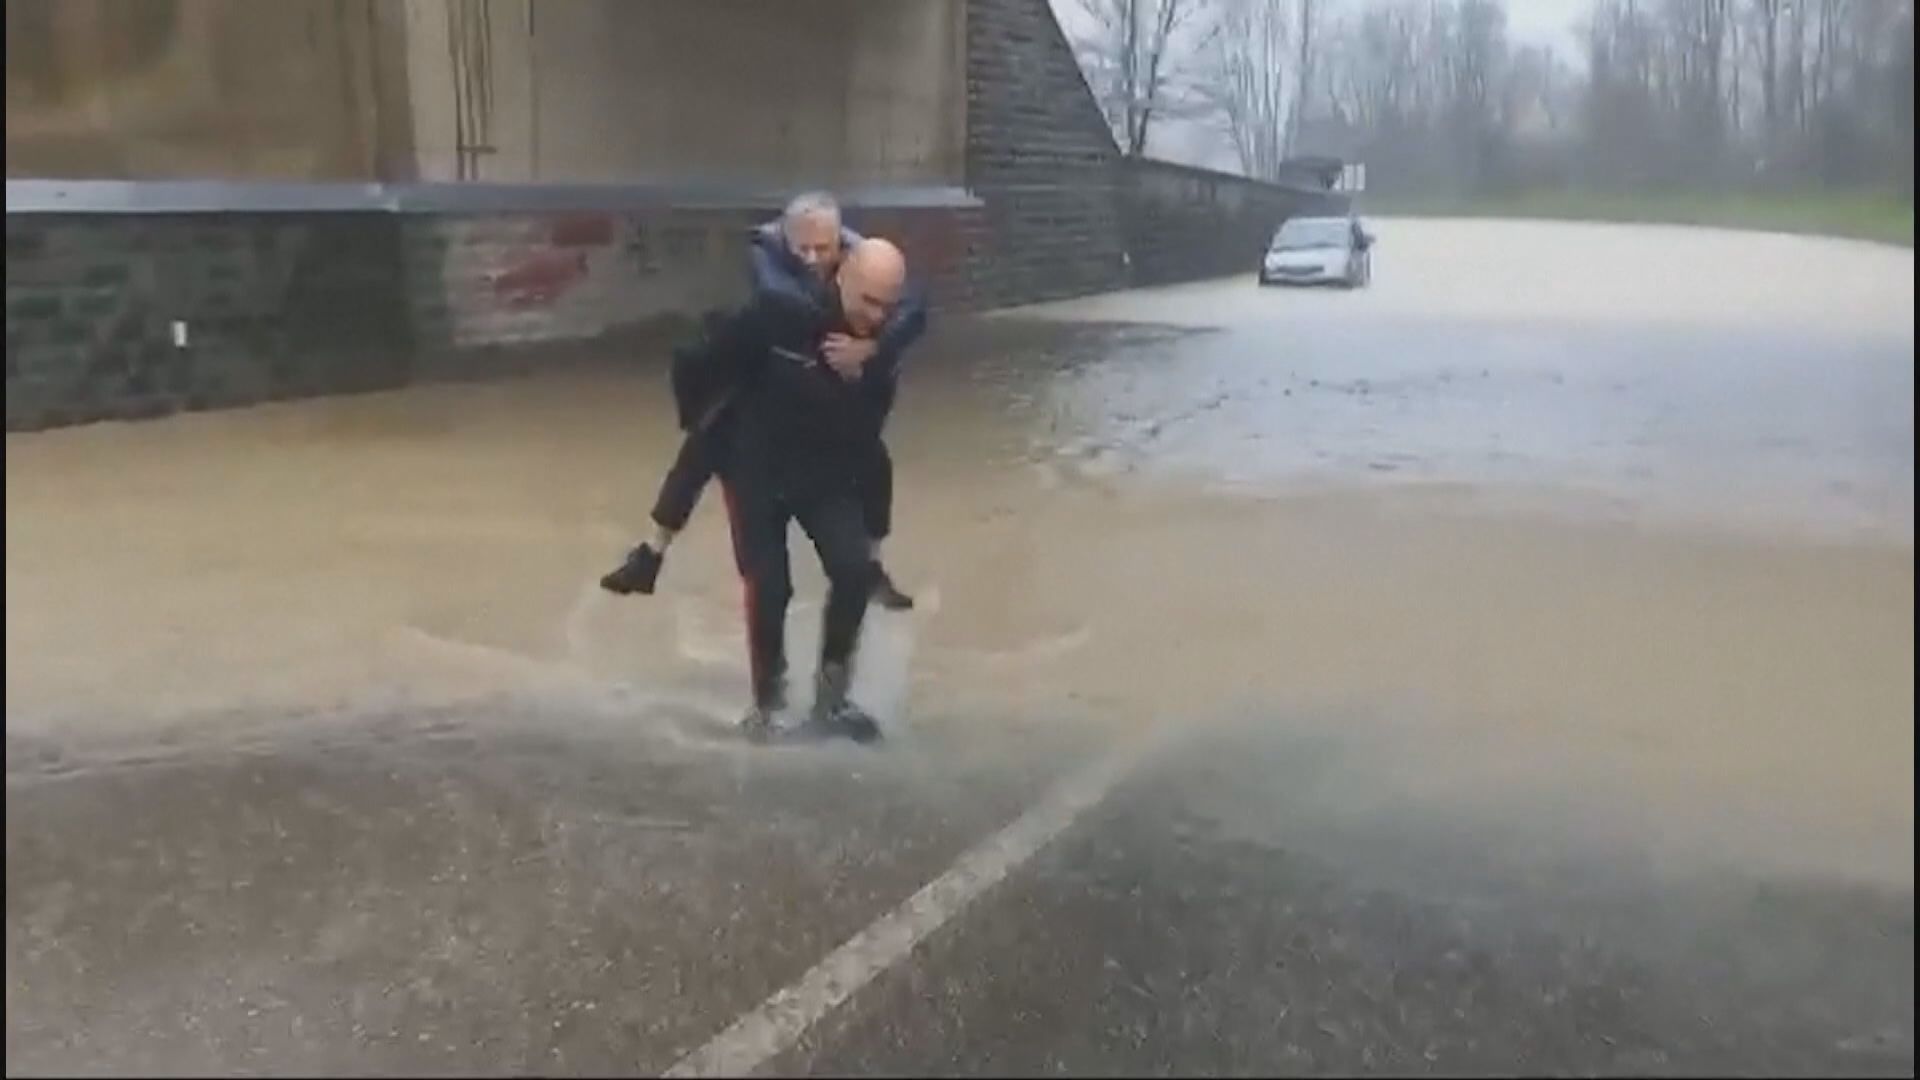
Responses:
[756,664]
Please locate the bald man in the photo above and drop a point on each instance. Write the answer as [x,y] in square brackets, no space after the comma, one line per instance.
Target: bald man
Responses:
[799,435]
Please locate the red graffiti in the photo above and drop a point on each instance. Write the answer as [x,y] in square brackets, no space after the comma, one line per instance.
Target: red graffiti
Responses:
[581,230]
[539,275]
[538,278]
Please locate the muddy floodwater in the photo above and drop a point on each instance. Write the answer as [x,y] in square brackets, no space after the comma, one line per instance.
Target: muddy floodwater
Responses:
[1560,582]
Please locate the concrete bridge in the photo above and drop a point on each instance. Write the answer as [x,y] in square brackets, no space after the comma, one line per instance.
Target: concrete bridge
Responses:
[213,202]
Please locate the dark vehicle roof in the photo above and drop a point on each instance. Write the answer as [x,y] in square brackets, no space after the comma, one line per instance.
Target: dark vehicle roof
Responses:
[1319,168]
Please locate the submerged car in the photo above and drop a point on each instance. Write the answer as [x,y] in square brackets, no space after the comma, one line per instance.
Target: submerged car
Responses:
[1319,251]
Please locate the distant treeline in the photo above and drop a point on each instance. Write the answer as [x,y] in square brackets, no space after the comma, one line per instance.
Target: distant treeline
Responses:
[1664,95]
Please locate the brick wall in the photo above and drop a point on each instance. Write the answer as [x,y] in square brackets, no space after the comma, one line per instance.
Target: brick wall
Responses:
[280,305]
[276,306]
[1041,159]
[515,278]
[1065,213]
[942,246]
[518,278]
[1184,224]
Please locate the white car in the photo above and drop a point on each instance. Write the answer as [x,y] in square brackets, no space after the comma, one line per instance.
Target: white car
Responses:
[1319,251]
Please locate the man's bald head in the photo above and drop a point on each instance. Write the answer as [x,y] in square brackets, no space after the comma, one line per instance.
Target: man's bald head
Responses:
[872,277]
[880,260]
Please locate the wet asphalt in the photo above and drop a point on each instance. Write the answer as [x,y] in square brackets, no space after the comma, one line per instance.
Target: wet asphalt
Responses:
[447,895]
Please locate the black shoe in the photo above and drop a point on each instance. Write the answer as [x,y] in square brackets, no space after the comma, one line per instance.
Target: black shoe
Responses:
[758,725]
[768,702]
[637,574]
[853,722]
[761,723]
[886,594]
[849,721]
[833,714]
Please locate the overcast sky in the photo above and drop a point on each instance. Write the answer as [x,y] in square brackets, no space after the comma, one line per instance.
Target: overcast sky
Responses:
[1547,22]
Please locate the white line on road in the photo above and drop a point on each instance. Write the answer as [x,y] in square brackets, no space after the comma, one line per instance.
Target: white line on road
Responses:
[778,1023]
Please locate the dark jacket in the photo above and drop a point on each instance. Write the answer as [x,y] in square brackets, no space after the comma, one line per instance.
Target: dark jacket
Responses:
[702,379]
[788,296]
[792,416]
[777,271]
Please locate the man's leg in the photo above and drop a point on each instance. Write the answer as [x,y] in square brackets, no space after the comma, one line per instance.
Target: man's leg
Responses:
[758,524]
[838,530]
[692,467]
[876,508]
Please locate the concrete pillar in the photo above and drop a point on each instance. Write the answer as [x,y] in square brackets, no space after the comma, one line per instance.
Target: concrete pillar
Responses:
[510,76]
[395,156]
[469,72]
[906,91]
[425,30]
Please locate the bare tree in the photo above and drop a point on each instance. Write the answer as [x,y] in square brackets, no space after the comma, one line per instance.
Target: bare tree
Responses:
[1797,60]
[1734,65]
[1415,88]
[1244,76]
[1366,83]
[1474,57]
[1678,93]
[1768,14]
[1693,39]
[1131,55]
[1666,92]
[1303,69]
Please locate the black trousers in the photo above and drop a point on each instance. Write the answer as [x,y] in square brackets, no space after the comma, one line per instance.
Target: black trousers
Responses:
[694,465]
[758,516]
[876,491]
[699,458]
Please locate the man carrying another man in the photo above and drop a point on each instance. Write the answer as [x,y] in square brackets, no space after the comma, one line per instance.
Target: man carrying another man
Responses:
[785,400]
[793,260]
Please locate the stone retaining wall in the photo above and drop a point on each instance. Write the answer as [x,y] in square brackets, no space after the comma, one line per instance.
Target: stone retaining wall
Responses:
[335,288]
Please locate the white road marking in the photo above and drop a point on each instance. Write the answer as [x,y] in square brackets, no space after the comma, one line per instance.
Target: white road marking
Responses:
[760,1035]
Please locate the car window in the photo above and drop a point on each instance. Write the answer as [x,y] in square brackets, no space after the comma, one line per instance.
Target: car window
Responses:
[1303,233]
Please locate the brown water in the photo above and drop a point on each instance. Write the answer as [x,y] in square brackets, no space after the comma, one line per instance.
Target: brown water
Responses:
[1613,521]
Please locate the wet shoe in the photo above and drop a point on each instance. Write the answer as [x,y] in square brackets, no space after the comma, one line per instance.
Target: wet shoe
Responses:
[833,714]
[762,722]
[886,594]
[847,721]
[637,575]
[853,722]
[758,725]
[829,692]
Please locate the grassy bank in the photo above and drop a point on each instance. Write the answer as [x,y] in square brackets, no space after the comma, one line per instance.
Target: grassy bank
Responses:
[1888,219]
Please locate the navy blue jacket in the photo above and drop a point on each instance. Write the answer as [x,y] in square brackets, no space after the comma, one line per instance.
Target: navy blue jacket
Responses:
[794,420]
[776,270]
[788,299]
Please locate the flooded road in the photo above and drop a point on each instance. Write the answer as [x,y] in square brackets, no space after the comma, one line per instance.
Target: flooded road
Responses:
[1734,380]
[1525,643]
